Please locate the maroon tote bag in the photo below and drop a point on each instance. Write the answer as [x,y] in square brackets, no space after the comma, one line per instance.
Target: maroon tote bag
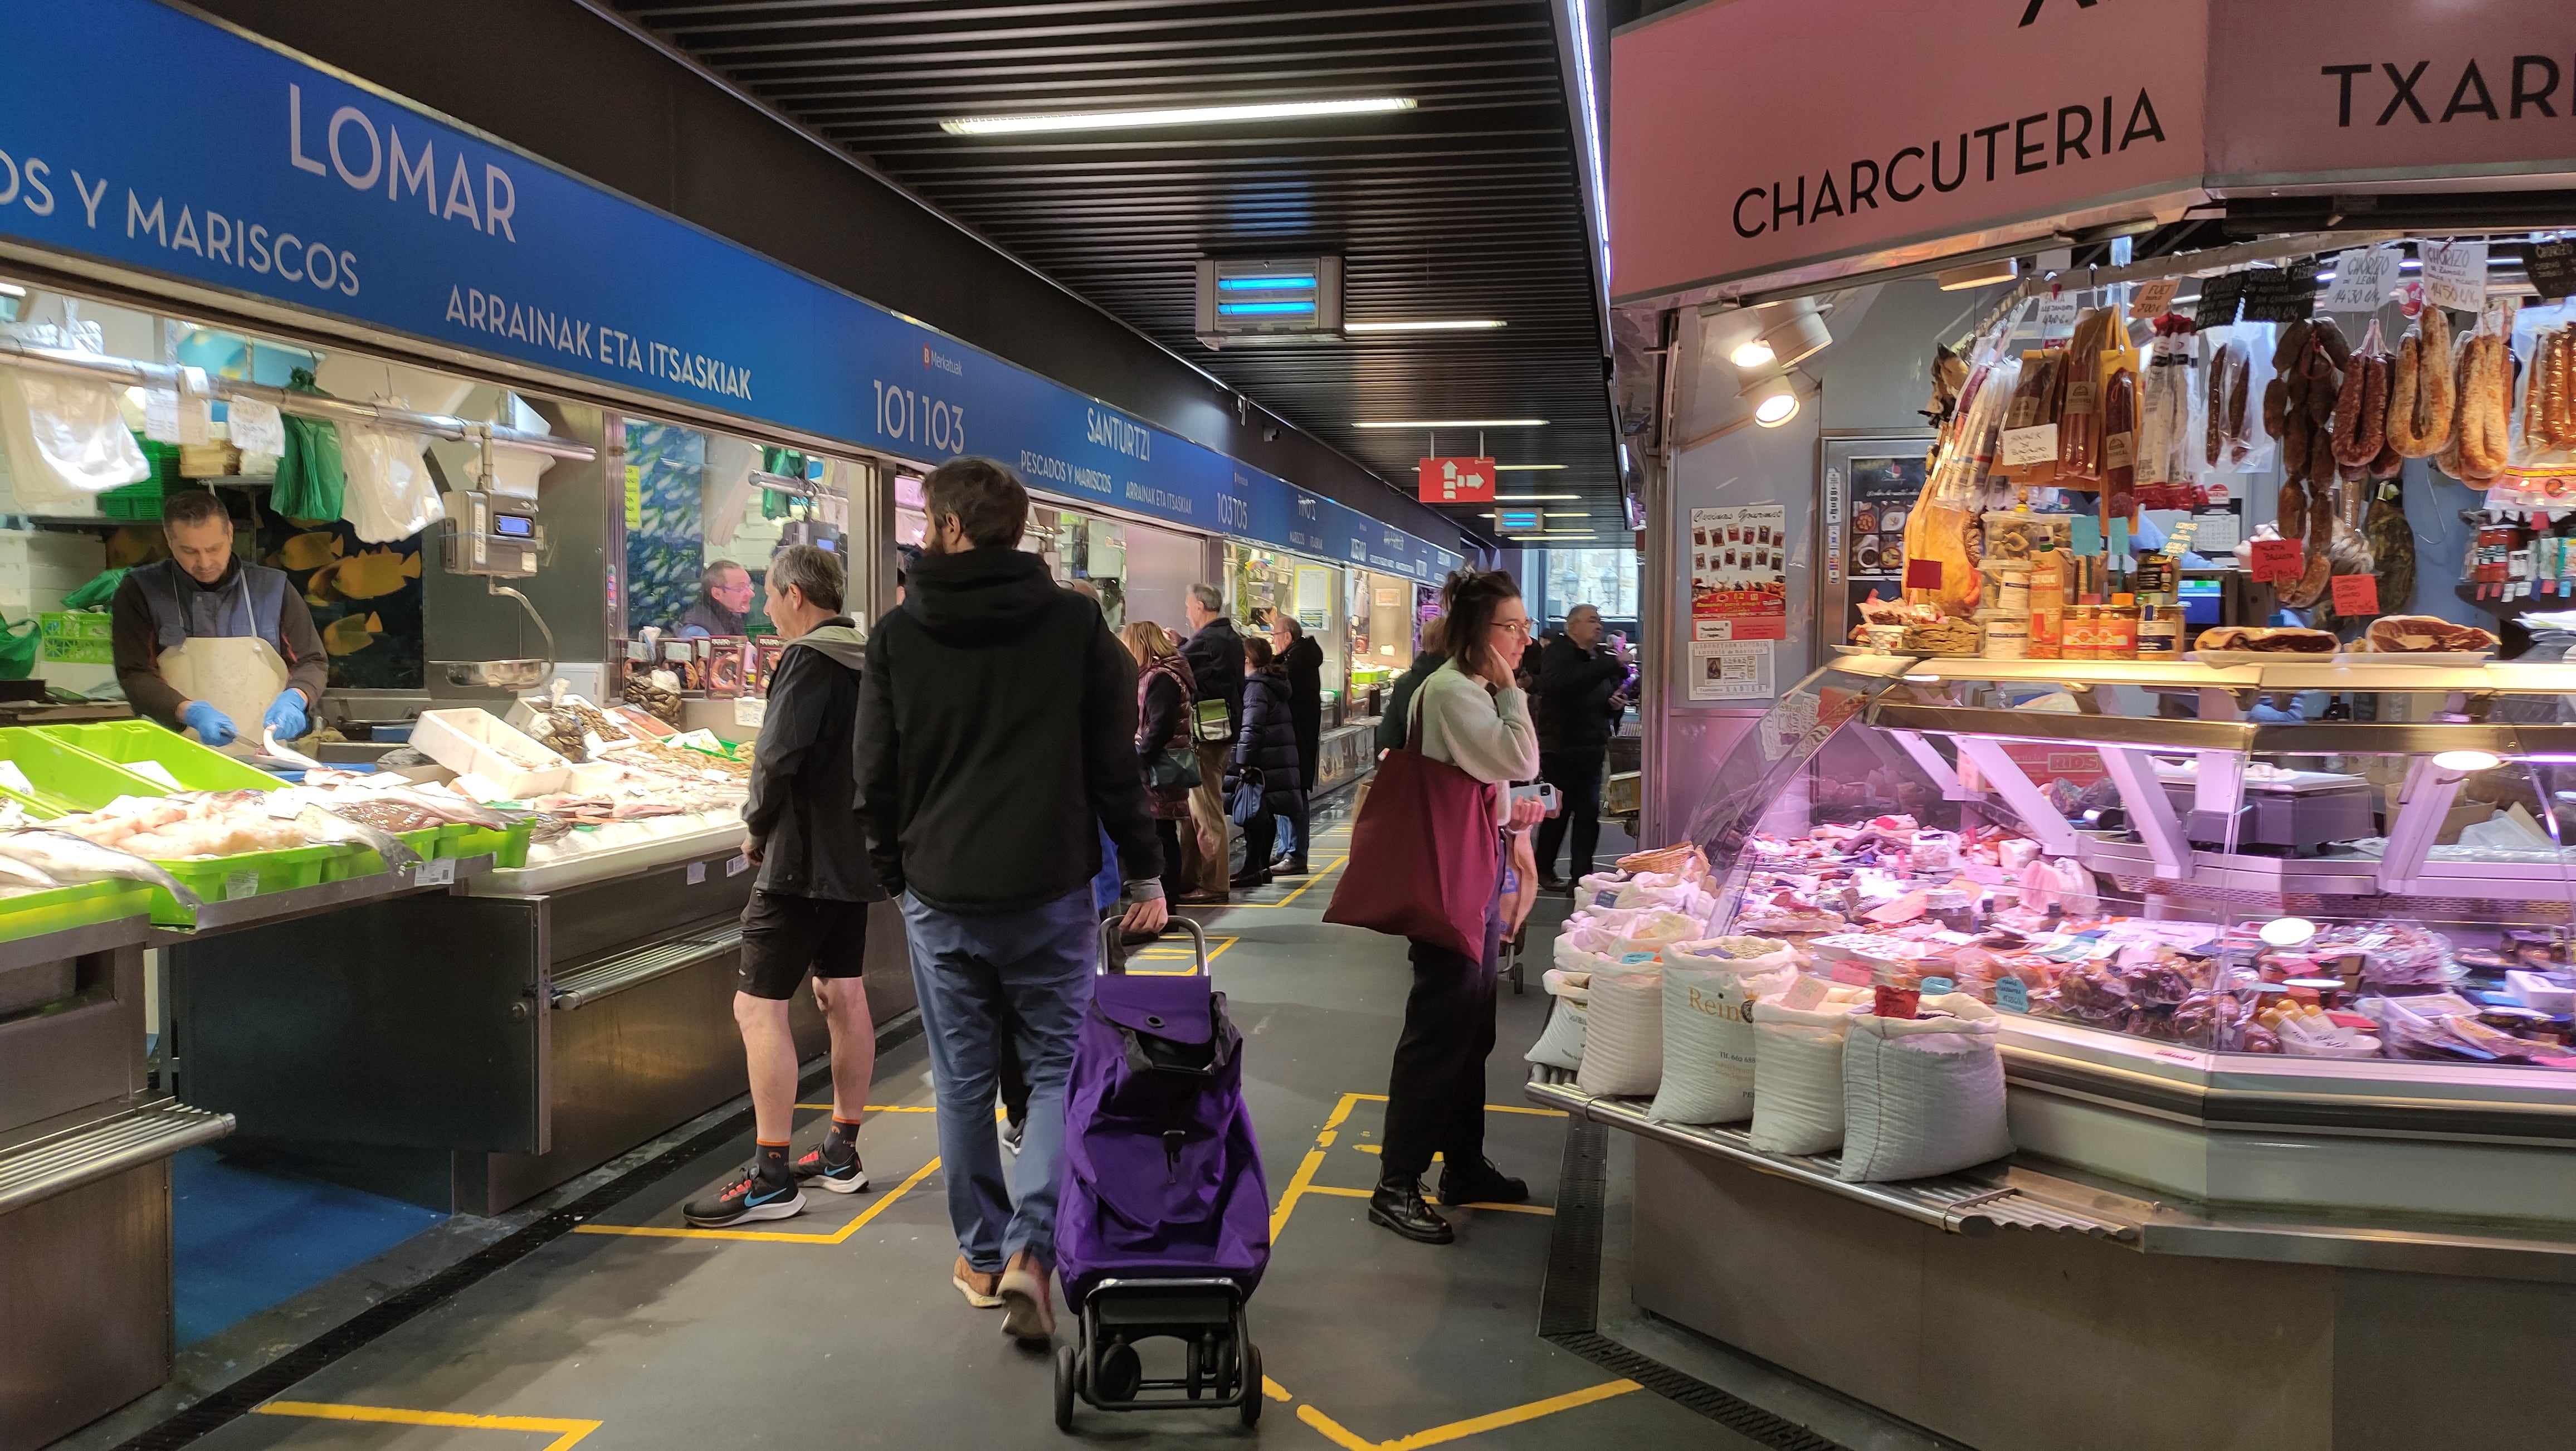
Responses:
[1424,855]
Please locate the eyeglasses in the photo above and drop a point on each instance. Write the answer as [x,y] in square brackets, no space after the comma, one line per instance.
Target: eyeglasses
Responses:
[1514,627]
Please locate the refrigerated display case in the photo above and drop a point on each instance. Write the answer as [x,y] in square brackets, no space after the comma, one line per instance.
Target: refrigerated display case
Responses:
[2284,1025]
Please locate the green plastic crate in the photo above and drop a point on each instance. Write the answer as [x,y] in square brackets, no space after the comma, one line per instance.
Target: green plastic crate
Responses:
[82,904]
[428,843]
[124,743]
[61,777]
[256,874]
[508,846]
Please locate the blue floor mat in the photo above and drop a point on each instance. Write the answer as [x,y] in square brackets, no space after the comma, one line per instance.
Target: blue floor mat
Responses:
[243,1238]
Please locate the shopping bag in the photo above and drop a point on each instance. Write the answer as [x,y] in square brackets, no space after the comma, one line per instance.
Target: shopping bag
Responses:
[1243,802]
[1176,769]
[1423,857]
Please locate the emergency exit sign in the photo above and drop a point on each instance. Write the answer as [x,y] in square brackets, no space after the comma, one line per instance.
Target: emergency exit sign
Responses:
[1457,481]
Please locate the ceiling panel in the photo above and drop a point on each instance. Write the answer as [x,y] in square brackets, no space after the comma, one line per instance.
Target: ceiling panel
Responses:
[1467,206]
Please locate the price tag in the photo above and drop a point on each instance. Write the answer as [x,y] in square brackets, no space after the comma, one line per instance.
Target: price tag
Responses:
[2021,447]
[2363,279]
[2275,559]
[1635,959]
[2155,299]
[2455,274]
[2281,294]
[1851,974]
[256,427]
[1922,574]
[2119,450]
[1897,1002]
[736,865]
[1805,993]
[196,420]
[1936,985]
[2079,396]
[161,415]
[2084,535]
[697,873]
[2057,313]
[2356,595]
[2012,995]
[2119,538]
[238,885]
[15,779]
[634,496]
[436,872]
[2551,266]
[2218,299]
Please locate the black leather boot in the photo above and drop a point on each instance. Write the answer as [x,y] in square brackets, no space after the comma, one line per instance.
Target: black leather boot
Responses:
[1480,1183]
[1398,1204]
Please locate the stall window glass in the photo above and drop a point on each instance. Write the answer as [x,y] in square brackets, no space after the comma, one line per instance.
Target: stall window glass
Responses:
[1606,578]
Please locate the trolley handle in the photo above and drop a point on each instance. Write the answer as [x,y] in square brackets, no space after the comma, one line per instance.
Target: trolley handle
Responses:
[1113,944]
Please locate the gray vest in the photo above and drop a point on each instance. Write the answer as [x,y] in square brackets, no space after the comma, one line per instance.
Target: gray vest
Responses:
[249,605]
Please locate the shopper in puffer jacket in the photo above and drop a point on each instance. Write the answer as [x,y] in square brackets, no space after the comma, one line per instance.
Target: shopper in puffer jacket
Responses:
[1267,743]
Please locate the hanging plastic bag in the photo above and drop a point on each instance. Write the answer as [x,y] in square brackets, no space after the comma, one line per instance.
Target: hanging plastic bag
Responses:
[311,478]
[18,646]
[96,594]
[64,438]
[390,493]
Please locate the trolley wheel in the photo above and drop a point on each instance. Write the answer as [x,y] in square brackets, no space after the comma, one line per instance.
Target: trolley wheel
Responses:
[1066,1368]
[1252,1392]
[1121,1372]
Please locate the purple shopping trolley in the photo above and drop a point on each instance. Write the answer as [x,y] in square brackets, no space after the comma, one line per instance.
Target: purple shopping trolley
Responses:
[1163,1224]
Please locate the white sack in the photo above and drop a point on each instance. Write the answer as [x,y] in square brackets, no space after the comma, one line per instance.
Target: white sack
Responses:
[1798,1074]
[1623,1041]
[1708,1037]
[1923,1096]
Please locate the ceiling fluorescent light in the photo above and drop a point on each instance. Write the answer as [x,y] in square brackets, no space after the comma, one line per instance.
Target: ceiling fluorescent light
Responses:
[1523,468]
[1980,274]
[1465,324]
[1171,116]
[1453,423]
[1534,498]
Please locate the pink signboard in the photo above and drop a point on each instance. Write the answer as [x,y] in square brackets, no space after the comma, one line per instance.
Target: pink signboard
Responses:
[1766,139]
[1754,135]
[2391,89]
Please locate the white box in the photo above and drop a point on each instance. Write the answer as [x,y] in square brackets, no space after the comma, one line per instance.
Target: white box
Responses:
[476,742]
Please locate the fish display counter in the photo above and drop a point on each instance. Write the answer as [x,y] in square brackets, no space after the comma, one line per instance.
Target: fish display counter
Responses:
[468,1049]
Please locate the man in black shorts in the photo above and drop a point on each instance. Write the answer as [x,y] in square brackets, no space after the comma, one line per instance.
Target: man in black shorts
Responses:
[809,906]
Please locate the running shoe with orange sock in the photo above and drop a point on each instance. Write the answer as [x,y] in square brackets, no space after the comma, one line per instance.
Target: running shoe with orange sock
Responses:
[765,1189]
[835,1161]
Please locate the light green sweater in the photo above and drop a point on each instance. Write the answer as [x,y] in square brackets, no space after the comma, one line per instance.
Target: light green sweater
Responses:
[1484,732]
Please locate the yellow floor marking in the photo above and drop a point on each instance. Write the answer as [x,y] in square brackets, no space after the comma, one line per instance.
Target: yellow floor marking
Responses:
[566,1431]
[1333,1431]
[1495,1421]
[1187,956]
[1311,882]
[763,1236]
[1274,1390]
[1305,1174]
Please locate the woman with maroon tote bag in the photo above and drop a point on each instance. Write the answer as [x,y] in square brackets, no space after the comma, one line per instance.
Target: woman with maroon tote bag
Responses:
[1431,830]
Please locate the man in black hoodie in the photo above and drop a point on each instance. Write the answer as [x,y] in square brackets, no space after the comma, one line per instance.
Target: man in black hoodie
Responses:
[997,732]
[809,905]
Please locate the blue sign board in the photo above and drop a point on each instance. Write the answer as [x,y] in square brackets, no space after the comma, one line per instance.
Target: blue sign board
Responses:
[304,188]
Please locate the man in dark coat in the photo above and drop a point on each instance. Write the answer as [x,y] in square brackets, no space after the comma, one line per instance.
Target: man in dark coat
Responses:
[1215,653]
[1577,677]
[1303,660]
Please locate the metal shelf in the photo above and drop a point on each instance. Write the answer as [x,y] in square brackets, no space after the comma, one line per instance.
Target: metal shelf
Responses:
[216,918]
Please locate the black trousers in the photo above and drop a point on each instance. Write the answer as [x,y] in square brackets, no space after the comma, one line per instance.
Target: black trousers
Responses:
[1176,880]
[1258,834]
[1435,1092]
[1576,774]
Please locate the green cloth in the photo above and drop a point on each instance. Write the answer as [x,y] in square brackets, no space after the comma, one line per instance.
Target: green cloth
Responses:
[311,482]
[95,594]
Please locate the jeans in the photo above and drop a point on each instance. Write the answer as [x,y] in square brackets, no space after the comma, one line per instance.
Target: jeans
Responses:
[1435,1092]
[973,975]
[1293,832]
[1577,774]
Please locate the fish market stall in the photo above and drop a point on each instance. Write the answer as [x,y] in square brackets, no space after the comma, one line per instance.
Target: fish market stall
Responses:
[469,1049]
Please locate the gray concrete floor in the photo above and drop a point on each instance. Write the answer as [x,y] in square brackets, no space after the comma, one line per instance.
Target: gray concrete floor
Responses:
[839,1326]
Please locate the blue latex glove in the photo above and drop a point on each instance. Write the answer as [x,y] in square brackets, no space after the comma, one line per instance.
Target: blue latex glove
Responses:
[211,725]
[2266,713]
[286,714]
